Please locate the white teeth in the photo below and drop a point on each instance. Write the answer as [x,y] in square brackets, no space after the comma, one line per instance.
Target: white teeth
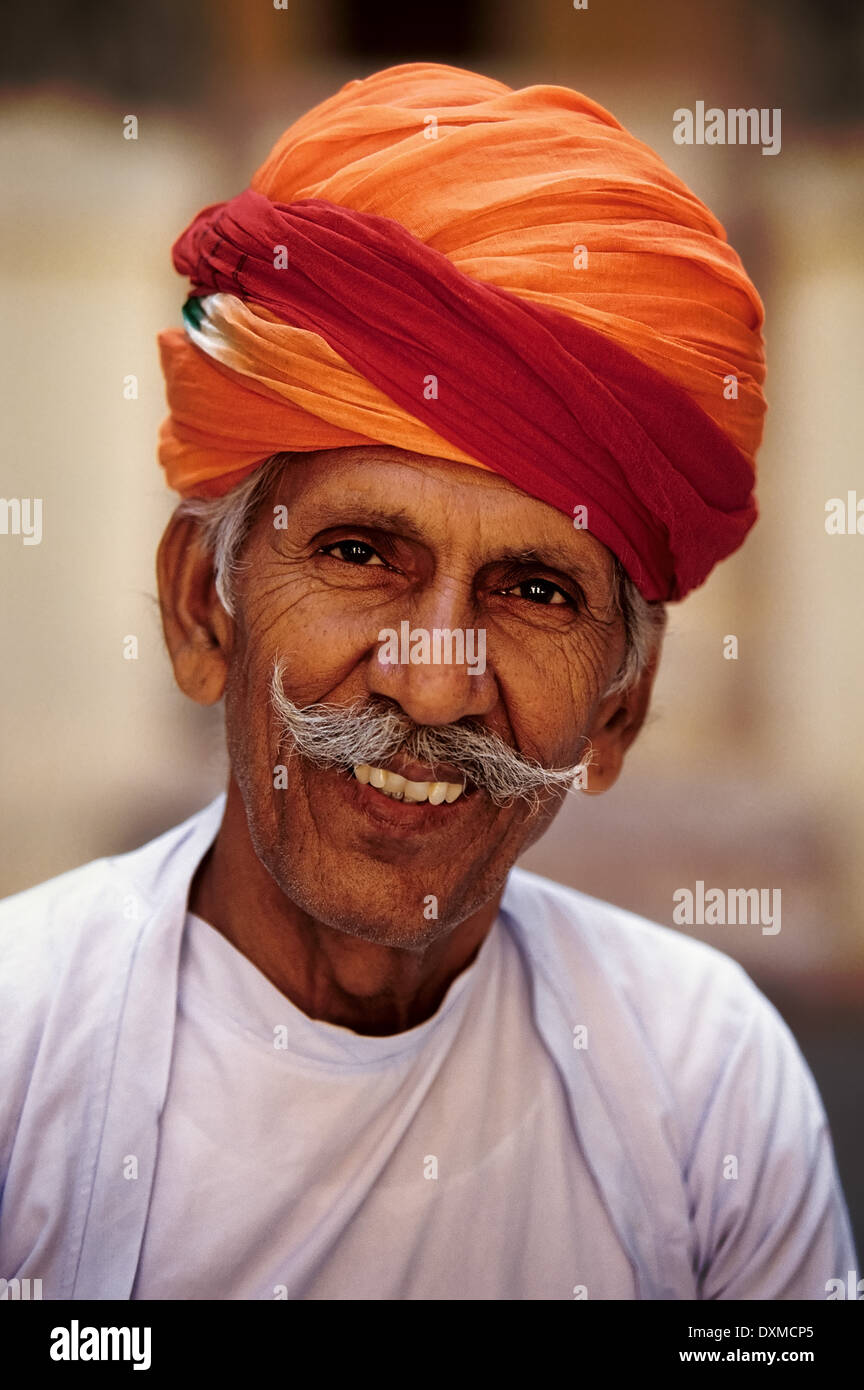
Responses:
[415,791]
[400,789]
[394,785]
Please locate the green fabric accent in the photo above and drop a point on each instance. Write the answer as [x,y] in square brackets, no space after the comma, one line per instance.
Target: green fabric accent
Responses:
[193,312]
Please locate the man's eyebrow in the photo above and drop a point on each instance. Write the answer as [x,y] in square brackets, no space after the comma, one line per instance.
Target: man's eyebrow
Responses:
[362,514]
[551,556]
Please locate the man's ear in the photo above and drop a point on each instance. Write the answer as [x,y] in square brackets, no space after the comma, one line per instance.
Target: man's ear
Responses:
[616,724]
[198,632]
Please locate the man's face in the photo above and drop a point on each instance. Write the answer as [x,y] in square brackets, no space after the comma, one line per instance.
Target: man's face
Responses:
[369,538]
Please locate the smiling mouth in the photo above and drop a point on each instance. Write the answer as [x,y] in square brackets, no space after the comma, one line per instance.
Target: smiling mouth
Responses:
[399,788]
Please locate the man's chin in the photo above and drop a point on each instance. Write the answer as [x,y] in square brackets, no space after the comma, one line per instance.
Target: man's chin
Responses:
[401,925]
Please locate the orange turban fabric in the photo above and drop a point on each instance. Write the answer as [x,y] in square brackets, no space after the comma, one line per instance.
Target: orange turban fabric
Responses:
[504,278]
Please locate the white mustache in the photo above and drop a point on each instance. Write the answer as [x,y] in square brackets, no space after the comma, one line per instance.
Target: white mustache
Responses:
[373,732]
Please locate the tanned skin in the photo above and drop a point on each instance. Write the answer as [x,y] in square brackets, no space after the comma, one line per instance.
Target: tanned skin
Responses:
[323,891]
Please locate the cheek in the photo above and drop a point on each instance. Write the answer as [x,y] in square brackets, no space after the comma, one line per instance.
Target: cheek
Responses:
[549,695]
[318,635]
[281,621]
[242,706]
[249,717]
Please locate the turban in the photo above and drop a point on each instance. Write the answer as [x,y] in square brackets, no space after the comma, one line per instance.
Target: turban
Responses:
[507,279]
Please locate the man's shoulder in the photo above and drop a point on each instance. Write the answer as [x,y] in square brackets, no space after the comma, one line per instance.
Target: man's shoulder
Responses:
[672,985]
[631,944]
[682,1047]
[42,926]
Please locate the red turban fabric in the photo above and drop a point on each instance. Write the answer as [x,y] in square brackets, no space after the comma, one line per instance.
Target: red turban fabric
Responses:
[507,279]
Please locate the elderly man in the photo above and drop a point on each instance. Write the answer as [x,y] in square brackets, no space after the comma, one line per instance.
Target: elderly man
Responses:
[469,387]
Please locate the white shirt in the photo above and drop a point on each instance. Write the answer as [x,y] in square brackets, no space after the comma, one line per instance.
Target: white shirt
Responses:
[137,1136]
[436,1163]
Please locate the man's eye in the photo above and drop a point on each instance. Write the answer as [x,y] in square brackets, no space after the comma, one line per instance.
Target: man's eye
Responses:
[541,591]
[356,552]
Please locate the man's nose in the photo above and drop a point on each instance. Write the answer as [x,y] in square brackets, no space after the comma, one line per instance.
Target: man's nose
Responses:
[438,630]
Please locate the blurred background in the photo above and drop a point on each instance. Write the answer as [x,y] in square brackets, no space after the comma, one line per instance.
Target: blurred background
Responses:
[750,771]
